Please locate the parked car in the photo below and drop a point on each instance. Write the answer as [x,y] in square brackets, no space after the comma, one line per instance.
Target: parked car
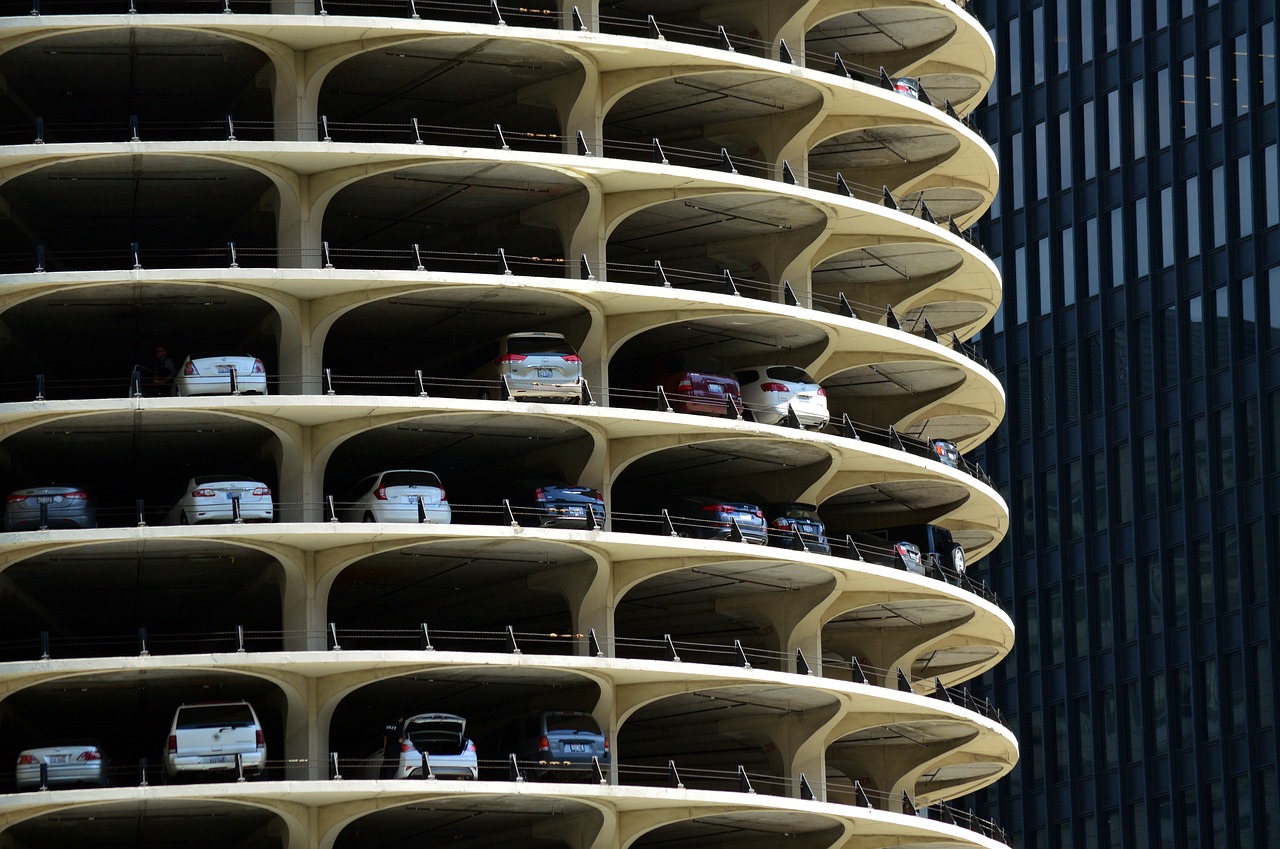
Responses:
[768,392]
[67,507]
[396,496]
[946,452]
[788,518]
[537,366]
[693,384]
[68,764]
[205,739]
[883,549]
[442,737]
[550,503]
[210,374]
[908,87]
[936,546]
[555,742]
[713,518]
[210,499]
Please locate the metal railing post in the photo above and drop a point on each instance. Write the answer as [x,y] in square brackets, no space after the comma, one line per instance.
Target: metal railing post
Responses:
[39,387]
[142,643]
[240,639]
[44,645]
[236,518]
[141,506]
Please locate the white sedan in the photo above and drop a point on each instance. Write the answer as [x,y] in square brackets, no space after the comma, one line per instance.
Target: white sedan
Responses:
[211,374]
[399,495]
[768,391]
[212,498]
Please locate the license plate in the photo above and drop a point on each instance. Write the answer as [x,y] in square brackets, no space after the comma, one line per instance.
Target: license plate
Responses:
[544,372]
[715,389]
[224,369]
[218,759]
[231,496]
[57,759]
[48,499]
[577,747]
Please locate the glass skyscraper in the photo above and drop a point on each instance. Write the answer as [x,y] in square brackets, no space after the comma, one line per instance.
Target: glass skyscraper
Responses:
[1138,231]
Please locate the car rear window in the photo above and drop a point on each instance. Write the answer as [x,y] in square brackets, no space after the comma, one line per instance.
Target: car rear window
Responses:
[572,722]
[410,479]
[796,511]
[214,716]
[538,345]
[790,373]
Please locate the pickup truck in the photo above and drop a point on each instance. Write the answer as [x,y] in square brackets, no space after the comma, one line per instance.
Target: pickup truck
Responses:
[205,738]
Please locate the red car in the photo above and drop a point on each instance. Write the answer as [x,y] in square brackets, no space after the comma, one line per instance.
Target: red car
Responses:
[693,384]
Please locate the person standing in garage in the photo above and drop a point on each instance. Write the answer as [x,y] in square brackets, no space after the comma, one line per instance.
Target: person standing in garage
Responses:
[163,373]
[391,740]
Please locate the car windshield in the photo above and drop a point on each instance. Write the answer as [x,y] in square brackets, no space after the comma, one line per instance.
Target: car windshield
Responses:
[410,479]
[538,345]
[214,716]
[579,722]
[790,373]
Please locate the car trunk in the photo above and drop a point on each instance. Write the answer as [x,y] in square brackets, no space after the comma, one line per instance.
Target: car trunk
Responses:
[215,730]
[437,735]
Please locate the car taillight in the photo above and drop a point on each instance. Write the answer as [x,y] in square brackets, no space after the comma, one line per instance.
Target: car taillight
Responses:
[257,739]
[90,756]
[203,492]
[572,358]
[606,745]
[78,494]
[904,550]
[26,760]
[381,493]
[539,494]
[718,508]
[595,493]
[513,358]
[941,449]
[15,499]
[173,744]
[759,513]
[781,523]
[544,745]
[471,747]
[258,367]
[189,368]
[406,746]
[685,385]
[262,490]
[822,392]
[773,387]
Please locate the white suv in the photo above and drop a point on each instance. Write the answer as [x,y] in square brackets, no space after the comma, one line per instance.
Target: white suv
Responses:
[206,738]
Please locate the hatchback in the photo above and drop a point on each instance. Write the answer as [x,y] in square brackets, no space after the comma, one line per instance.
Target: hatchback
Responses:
[557,741]
[398,495]
[213,499]
[536,366]
[210,374]
[770,392]
[714,518]
[64,507]
[785,520]
[440,737]
[70,763]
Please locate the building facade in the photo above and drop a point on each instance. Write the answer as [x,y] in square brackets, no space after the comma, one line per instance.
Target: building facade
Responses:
[372,368]
[1137,229]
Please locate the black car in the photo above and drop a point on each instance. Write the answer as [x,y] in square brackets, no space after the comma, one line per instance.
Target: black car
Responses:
[936,547]
[714,518]
[788,518]
[547,502]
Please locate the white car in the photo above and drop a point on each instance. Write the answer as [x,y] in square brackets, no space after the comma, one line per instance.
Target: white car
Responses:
[206,738]
[398,495]
[66,764]
[210,374]
[441,737]
[210,498]
[767,392]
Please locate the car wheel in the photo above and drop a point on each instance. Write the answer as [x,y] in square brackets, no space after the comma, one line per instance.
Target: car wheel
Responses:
[368,517]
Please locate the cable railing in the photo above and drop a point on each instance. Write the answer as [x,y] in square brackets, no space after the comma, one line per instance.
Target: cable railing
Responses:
[145,772]
[144,642]
[494,136]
